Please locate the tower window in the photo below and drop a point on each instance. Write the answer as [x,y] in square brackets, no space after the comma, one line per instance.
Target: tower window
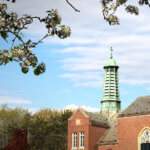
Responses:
[74,140]
[111,69]
[81,139]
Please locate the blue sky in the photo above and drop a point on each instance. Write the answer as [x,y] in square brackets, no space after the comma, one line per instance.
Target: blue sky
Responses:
[74,66]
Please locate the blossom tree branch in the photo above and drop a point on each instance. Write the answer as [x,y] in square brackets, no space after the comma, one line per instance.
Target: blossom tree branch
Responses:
[109,7]
[11,24]
[76,10]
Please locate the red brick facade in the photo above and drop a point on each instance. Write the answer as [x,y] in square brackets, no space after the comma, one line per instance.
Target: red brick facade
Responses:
[109,147]
[129,129]
[95,134]
[129,132]
[80,122]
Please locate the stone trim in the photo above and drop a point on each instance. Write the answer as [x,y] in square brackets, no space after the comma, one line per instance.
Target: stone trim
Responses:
[133,114]
[108,143]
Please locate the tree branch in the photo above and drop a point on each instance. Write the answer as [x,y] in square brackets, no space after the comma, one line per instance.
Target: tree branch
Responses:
[72,6]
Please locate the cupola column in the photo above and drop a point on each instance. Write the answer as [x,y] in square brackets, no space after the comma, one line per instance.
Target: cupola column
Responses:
[110,103]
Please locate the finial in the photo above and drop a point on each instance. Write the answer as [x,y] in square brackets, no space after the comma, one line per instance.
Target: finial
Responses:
[111,55]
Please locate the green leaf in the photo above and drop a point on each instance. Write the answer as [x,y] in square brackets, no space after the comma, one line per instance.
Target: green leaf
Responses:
[6,61]
[4,6]
[3,34]
[36,72]
[61,26]
[48,11]
[48,26]
[12,50]
[11,58]
[25,69]
[20,45]
[52,33]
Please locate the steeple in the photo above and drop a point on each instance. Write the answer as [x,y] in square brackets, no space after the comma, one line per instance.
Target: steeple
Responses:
[110,103]
[111,55]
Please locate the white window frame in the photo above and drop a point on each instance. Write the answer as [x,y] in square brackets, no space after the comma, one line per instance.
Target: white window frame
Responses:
[81,140]
[74,140]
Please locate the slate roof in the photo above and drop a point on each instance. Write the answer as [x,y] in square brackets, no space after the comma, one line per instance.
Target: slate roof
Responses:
[97,119]
[141,106]
[110,136]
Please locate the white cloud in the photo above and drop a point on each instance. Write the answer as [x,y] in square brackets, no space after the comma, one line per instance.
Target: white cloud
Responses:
[85,79]
[86,108]
[88,64]
[2,91]
[87,49]
[64,91]
[83,75]
[13,100]
[30,109]
[10,92]
[33,109]
[94,84]
[135,81]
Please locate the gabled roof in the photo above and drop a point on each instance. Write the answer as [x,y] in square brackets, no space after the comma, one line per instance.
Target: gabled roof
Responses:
[141,106]
[110,136]
[97,119]
[81,110]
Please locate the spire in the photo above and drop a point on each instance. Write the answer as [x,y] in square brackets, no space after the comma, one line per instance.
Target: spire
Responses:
[111,61]
[111,55]
[111,99]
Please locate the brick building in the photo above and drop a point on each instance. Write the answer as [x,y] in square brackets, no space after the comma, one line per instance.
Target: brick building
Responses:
[111,129]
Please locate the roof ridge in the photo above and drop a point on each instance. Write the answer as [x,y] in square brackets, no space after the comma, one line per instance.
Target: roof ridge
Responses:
[138,106]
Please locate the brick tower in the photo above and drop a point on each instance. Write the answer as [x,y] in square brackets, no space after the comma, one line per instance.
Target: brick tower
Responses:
[110,103]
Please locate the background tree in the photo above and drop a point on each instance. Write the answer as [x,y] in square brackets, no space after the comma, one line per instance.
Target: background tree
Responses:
[10,121]
[47,129]
[19,141]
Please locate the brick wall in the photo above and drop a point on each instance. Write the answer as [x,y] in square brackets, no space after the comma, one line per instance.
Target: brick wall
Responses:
[79,122]
[109,147]
[129,129]
[95,134]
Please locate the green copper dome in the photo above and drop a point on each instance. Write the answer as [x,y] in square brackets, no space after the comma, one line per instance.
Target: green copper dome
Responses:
[111,61]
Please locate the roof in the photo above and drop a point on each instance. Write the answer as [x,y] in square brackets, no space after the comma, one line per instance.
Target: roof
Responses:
[111,63]
[141,106]
[97,119]
[110,136]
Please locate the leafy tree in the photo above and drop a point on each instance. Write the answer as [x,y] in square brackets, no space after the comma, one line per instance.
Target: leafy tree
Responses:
[19,141]
[11,25]
[10,121]
[47,129]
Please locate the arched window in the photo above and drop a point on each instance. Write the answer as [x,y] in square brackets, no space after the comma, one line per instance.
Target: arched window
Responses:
[145,140]
[145,136]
